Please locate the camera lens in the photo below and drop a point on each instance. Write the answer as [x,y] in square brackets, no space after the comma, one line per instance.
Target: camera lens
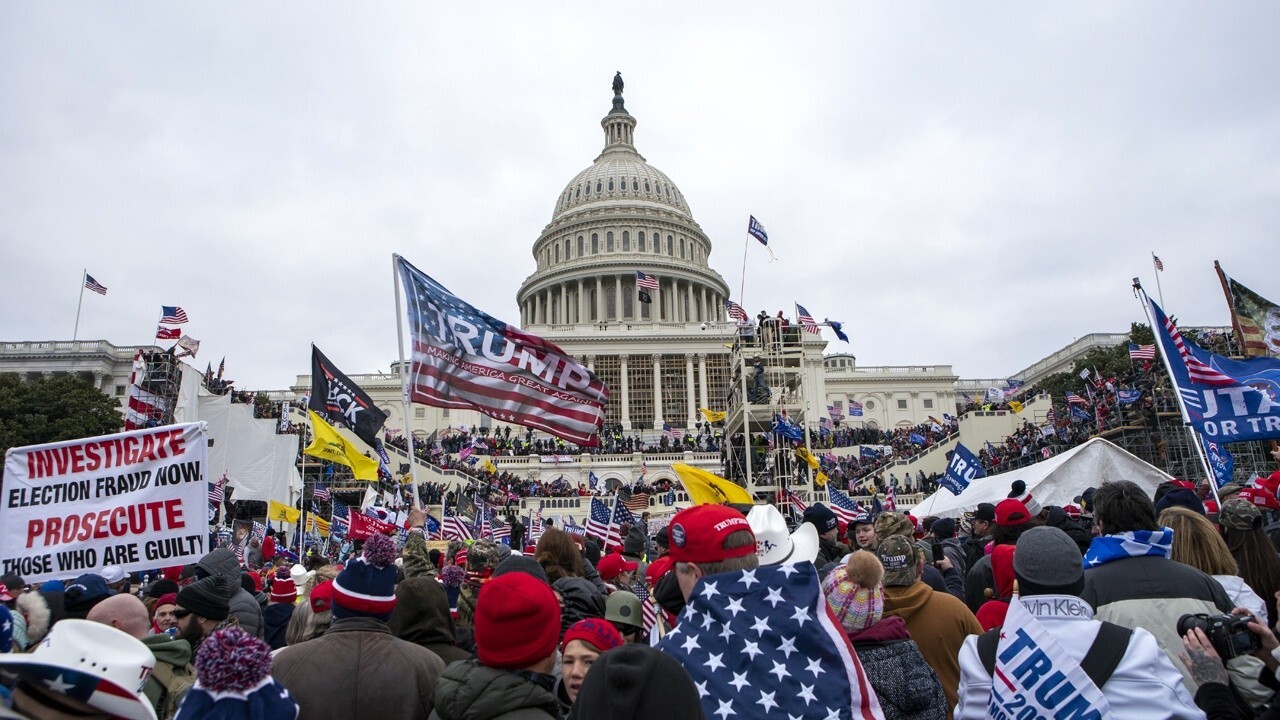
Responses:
[1187,622]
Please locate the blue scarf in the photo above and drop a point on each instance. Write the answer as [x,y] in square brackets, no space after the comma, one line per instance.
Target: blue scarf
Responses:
[1138,543]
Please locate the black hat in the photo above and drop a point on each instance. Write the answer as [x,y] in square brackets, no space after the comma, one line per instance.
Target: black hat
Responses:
[985,511]
[637,681]
[208,597]
[663,537]
[161,587]
[944,528]
[821,517]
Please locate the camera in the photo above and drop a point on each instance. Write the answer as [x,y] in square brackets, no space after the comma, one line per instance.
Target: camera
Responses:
[1229,634]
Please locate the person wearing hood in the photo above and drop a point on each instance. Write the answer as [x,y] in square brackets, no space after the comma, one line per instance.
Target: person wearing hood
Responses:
[1056,516]
[579,600]
[908,689]
[937,621]
[944,531]
[422,617]
[993,611]
[981,527]
[31,615]
[244,606]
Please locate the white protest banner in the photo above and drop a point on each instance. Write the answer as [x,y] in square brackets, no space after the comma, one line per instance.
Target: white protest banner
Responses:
[135,499]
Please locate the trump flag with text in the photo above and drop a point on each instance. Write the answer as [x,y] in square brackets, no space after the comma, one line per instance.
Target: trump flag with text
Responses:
[135,499]
[464,358]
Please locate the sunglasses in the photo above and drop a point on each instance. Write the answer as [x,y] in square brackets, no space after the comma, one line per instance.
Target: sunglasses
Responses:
[180,613]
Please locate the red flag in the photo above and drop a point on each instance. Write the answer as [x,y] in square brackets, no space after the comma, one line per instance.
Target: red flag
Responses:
[363,526]
[164,333]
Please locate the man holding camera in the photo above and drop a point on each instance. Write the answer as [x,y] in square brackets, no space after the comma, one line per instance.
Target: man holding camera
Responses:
[1204,661]
[1124,670]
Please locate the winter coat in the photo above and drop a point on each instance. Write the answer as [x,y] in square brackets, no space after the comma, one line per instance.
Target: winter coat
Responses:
[908,689]
[829,552]
[34,611]
[471,691]
[244,606]
[954,552]
[1152,592]
[581,600]
[975,548]
[347,674]
[275,621]
[422,617]
[977,581]
[1241,595]
[1059,518]
[1144,684]
[939,623]
[173,652]
[417,560]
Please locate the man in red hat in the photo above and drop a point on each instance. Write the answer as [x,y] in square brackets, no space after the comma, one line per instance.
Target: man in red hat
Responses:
[709,540]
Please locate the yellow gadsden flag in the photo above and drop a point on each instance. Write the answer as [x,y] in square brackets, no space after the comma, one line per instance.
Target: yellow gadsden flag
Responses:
[712,416]
[1015,406]
[329,445]
[279,512]
[705,488]
[803,454]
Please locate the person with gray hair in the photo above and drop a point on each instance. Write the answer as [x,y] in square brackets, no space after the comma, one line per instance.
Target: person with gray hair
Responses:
[1135,676]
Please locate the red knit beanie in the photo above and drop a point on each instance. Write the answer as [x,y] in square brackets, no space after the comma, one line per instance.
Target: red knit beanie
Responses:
[517,622]
[599,634]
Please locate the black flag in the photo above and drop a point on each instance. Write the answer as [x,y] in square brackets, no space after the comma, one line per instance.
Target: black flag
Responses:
[644,296]
[338,400]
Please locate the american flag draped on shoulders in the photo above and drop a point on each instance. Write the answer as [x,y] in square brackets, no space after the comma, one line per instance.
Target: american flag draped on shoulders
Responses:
[464,358]
[762,643]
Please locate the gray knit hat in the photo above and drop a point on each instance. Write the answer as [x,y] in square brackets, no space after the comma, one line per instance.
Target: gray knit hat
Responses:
[1046,557]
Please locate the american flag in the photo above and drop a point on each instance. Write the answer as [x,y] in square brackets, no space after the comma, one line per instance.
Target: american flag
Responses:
[1051,417]
[738,633]
[806,320]
[736,312]
[599,520]
[217,492]
[650,613]
[855,408]
[646,281]
[756,230]
[1156,259]
[670,432]
[454,527]
[322,493]
[1197,370]
[637,502]
[1142,352]
[842,505]
[172,315]
[1074,399]
[340,517]
[94,285]
[507,374]
[891,498]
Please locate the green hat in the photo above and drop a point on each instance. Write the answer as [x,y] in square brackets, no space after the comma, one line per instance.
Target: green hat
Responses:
[898,555]
[623,608]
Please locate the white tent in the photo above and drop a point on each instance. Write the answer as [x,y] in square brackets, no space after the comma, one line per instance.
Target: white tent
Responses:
[1056,481]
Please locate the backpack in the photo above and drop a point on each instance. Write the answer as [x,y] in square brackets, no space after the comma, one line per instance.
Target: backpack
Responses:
[1099,662]
[173,687]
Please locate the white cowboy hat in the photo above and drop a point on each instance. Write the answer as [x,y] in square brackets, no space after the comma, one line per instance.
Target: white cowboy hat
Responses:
[300,576]
[776,546]
[93,663]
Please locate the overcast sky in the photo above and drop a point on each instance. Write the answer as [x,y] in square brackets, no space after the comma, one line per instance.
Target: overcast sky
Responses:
[964,184]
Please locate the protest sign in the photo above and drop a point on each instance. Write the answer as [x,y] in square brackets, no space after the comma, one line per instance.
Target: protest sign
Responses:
[135,499]
[363,527]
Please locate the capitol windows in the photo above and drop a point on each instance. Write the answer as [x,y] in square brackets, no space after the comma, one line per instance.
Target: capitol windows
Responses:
[671,245]
[557,253]
[599,186]
[577,193]
[610,184]
[626,241]
[871,404]
[902,404]
[646,186]
[682,247]
[928,403]
[640,241]
[608,242]
[595,243]
[635,186]
[581,246]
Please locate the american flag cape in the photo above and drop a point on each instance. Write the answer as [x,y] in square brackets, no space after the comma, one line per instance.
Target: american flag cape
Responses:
[762,643]
[464,358]
[890,498]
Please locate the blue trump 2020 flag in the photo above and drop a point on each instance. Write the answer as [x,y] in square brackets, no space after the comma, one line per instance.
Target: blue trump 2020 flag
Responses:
[963,469]
[1223,399]
[761,643]
[1220,461]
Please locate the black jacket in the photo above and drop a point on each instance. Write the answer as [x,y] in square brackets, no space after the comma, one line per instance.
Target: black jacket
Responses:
[421,616]
[471,691]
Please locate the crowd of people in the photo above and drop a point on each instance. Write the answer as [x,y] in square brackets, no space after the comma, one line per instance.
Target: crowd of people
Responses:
[1123,604]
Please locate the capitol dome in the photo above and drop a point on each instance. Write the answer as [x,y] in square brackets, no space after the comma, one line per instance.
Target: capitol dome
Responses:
[618,217]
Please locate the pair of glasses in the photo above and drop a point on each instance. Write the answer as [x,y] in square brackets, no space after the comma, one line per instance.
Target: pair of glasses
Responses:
[180,613]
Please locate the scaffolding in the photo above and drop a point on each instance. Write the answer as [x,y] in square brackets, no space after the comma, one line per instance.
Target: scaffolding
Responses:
[768,382]
[160,378]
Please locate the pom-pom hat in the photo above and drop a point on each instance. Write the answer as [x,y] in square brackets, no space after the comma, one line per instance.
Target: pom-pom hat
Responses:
[93,663]
[698,534]
[233,681]
[366,587]
[282,588]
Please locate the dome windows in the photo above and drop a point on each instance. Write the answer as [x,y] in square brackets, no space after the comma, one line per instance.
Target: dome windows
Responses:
[681,247]
[599,186]
[646,186]
[671,245]
[610,184]
[635,186]
[608,241]
[640,241]
[626,241]
[595,243]
[581,246]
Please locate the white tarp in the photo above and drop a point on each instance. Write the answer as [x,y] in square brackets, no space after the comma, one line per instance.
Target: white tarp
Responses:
[258,463]
[187,408]
[1056,481]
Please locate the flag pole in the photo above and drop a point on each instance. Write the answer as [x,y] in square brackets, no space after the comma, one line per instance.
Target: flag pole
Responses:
[1159,290]
[76,332]
[742,285]
[1182,406]
[404,384]
[1231,308]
